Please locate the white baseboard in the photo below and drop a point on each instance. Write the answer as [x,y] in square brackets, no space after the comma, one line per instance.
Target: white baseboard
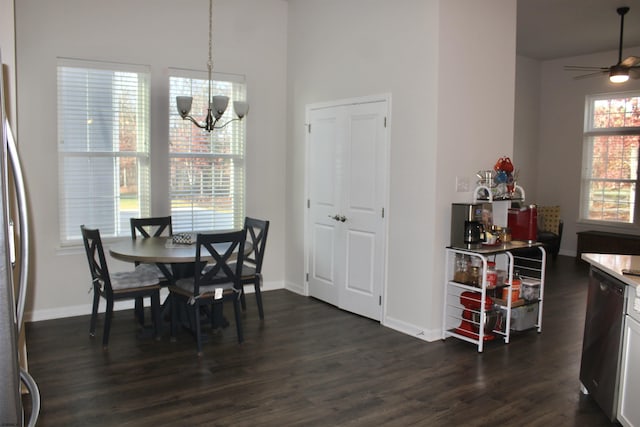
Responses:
[72,311]
[85,309]
[567,253]
[412,330]
[295,288]
[266,286]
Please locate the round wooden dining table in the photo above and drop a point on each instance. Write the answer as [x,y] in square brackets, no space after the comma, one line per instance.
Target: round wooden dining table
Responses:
[154,250]
[162,251]
[175,260]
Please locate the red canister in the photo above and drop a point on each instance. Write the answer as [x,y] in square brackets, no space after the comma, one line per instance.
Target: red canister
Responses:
[524,223]
[513,292]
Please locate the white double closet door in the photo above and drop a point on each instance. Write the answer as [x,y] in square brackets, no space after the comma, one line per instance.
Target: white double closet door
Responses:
[346,184]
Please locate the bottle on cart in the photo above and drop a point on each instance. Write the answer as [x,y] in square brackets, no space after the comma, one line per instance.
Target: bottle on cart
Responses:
[460,273]
[516,284]
[492,275]
[475,272]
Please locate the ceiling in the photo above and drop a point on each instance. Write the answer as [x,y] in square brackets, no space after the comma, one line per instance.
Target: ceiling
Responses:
[551,29]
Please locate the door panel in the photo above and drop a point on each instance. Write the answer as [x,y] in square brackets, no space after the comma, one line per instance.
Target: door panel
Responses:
[324,176]
[323,151]
[362,162]
[361,254]
[323,266]
[363,198]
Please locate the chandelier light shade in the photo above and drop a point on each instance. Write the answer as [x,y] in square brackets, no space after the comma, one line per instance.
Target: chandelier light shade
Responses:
[217,105]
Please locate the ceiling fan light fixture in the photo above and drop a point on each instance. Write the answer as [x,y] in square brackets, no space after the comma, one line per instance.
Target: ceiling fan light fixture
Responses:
[621,71]
[618,74]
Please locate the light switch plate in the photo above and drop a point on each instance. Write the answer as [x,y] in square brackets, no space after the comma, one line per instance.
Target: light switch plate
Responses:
[462,184]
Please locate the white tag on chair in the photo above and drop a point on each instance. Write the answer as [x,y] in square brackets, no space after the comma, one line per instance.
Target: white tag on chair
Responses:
[218,293]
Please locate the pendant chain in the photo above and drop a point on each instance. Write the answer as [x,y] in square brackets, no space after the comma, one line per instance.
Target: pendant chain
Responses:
[210,63]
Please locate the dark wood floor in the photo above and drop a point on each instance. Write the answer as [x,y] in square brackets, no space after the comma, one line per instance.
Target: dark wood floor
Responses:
[309,364]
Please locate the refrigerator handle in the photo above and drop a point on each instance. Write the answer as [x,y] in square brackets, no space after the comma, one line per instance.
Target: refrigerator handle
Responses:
[34,392]
[21,197]
[12,244]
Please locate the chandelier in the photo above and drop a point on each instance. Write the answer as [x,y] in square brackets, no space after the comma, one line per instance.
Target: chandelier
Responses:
[217,105]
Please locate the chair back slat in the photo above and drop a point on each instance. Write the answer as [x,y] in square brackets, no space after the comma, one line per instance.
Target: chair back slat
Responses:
[95,257]
[257,231]
[151,227]
[221,271]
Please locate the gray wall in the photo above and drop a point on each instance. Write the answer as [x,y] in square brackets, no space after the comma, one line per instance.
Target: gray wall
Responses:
[446,121]
[526,125]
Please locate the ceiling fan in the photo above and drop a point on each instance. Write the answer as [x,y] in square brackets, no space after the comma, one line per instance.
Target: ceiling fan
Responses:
[618,73]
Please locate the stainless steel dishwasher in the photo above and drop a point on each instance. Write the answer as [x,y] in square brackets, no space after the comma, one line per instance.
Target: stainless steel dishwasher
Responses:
[602,342]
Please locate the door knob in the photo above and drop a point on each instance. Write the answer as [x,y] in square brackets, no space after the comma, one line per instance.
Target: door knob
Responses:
[337,217]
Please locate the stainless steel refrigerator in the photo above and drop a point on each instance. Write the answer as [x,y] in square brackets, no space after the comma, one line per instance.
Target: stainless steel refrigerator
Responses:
[12,295]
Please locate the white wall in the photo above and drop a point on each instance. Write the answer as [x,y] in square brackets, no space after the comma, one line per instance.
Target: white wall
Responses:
[452,115]
[249,38]
[562,102]
[475,109]
[7,49]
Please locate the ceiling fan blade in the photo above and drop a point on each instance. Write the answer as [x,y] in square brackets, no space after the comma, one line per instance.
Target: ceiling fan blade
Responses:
[584,68]
[585,76]
[630,61]
[634,72]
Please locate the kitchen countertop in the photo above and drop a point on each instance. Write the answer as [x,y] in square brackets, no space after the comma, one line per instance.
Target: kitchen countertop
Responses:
[614,264]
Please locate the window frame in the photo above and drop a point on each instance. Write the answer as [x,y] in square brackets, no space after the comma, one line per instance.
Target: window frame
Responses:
[235,150]
[94,151]
[591,132]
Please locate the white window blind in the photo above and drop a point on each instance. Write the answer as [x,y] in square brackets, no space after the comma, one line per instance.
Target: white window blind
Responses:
[207,170]
[103,146]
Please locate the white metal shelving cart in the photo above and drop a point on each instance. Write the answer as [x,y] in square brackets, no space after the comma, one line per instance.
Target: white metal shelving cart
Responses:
[470,313]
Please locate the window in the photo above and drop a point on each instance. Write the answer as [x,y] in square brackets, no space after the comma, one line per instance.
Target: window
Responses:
[206,169]
[103,146]
[610,158]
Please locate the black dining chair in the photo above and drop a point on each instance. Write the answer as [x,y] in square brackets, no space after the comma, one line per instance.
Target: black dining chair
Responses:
[117,286]
[211,286]
[150,227]
[257,231]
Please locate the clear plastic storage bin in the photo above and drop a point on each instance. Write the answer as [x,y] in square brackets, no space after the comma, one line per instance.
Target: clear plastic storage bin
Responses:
[530,289]
[524,317]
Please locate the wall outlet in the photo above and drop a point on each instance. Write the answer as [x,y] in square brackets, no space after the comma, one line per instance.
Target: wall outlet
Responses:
[462,184]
